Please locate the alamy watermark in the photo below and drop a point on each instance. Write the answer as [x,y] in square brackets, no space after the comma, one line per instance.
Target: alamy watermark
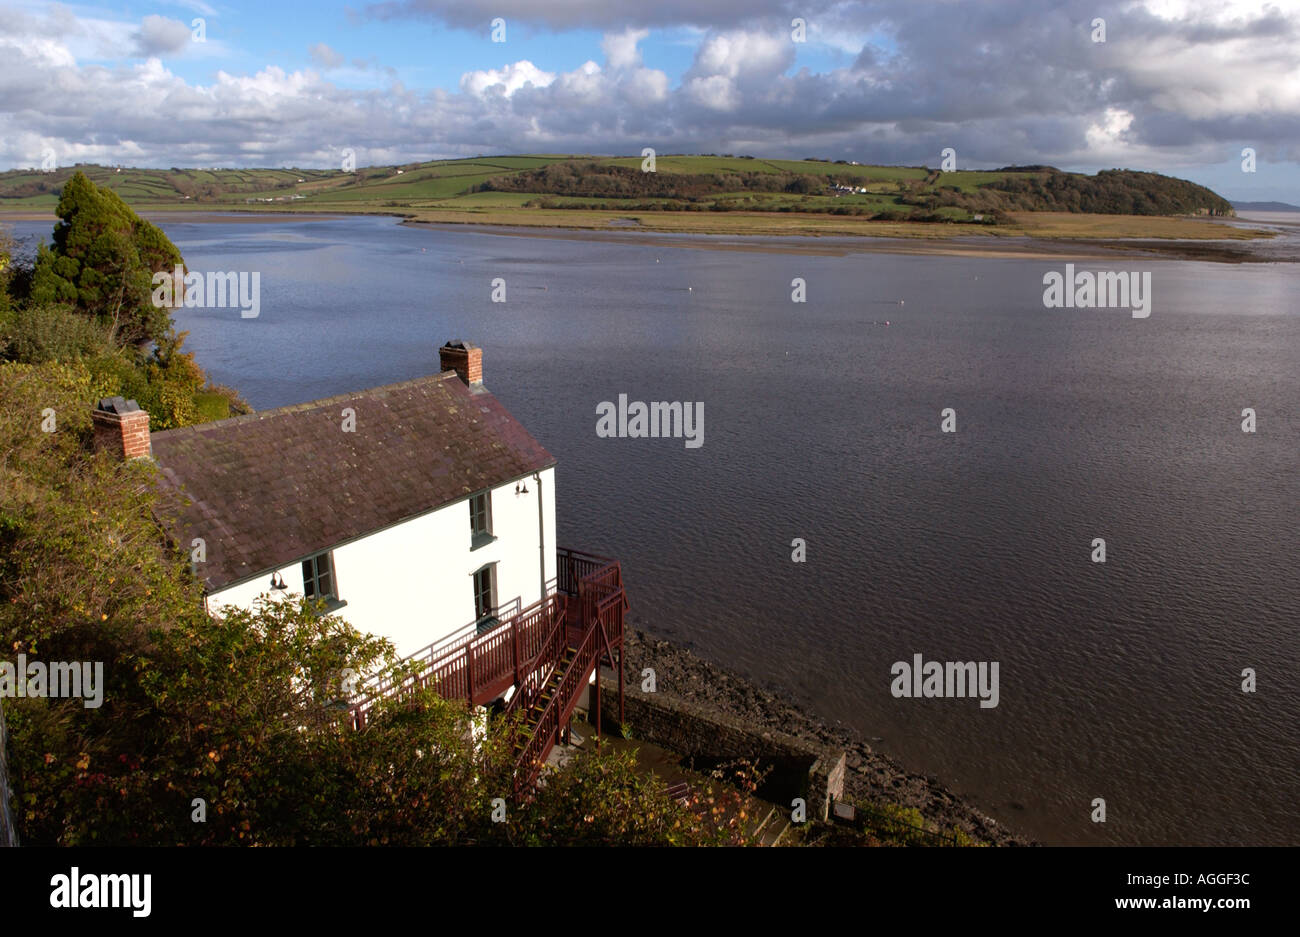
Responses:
[88,890]
[1106,289]
[218,290]
[946,680]
[659,419]
[56,680]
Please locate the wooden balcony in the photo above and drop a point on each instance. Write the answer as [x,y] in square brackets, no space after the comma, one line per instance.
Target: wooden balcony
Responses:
[547,652]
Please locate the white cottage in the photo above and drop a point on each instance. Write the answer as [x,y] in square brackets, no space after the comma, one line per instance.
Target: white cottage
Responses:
[420,511]
[420,507]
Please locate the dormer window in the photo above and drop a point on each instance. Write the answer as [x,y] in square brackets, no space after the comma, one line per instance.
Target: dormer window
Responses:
[480,519]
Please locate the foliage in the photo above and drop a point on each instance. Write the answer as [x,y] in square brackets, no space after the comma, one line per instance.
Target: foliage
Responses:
[102,263]
[605,800]
[595,180]
[1110,192]
[166,382]
[35,334]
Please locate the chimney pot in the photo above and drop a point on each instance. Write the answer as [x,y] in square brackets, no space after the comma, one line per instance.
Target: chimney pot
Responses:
[463,358]
[122,428]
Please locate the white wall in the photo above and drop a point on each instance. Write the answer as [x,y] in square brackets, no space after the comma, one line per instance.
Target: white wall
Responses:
[413,583]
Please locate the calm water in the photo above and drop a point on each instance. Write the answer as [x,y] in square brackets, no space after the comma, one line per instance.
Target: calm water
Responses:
[1119,680]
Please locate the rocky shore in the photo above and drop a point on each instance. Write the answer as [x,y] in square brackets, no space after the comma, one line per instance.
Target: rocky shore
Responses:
[871,776]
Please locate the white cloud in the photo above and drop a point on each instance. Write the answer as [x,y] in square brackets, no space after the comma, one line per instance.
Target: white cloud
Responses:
[1230,78]
[40,53]
[647,84]
[715,92]
[1107,135]
[744,54]
[1218,12]
[621,48]
[507,80]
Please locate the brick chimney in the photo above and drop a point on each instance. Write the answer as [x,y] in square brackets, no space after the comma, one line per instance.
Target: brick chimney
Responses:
[463,358]
[122,428]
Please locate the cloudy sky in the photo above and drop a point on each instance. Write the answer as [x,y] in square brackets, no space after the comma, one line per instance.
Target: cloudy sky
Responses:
[1178,86]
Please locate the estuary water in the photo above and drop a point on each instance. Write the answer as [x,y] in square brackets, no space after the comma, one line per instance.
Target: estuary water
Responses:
[1119,680]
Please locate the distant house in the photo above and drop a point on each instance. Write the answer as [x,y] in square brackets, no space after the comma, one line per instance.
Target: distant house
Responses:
[421,511]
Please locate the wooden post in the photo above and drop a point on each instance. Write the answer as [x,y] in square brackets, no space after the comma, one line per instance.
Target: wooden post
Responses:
[469,673]
[514,637]
[621,717]
[596,687]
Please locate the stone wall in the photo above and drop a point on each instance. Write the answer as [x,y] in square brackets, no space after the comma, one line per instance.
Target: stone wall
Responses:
[706,738]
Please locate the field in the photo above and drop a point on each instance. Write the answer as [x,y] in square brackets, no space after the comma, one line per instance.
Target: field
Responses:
[450,191]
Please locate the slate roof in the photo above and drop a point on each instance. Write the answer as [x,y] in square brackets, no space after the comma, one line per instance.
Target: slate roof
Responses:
[267,489]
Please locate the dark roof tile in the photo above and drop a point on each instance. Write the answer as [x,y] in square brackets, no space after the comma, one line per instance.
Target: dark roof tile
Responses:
[268,488]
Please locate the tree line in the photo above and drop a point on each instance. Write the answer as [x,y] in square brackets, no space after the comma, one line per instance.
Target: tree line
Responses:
[595,180]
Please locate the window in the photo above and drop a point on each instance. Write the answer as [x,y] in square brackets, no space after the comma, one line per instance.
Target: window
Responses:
[485,603]
[318,577]
[480,519]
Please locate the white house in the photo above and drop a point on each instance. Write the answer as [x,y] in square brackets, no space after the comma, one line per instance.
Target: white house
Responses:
[423,510]
[420,511]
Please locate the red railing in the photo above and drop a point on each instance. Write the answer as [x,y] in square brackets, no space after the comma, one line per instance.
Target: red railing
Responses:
[478,669]
[527,651]
[572,567]
[539,669]
[601,603]
[546,730]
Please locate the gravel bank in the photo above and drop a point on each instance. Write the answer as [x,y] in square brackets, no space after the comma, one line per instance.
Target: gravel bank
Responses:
[871,776]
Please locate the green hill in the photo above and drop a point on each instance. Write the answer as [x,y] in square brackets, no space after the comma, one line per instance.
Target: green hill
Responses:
[686,194]
[681,183]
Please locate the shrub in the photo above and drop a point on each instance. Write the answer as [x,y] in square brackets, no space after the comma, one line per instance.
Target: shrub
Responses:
[37,334]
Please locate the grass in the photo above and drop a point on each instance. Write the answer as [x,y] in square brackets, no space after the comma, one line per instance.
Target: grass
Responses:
[1044,225]
[1069,225]
[694,164]
[442,190]
[211,406]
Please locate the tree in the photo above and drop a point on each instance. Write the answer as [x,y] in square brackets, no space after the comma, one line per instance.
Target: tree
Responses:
[102,262]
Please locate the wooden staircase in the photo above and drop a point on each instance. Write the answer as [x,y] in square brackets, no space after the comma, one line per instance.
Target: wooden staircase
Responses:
[547,653]
[538,703]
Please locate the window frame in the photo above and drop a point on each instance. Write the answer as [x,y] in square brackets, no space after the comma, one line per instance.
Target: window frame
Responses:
[480,537]
[485,615]
[311,584]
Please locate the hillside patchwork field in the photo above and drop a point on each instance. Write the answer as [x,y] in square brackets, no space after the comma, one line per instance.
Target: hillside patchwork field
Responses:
[686,194]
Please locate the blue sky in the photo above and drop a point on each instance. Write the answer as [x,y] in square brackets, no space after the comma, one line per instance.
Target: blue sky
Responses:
[1178,86]
[423,55]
